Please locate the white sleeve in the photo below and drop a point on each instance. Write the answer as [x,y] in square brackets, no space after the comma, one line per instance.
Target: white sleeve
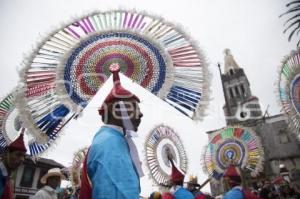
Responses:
[41,194]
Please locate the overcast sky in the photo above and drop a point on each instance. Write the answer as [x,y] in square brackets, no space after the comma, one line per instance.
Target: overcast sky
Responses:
[250,28]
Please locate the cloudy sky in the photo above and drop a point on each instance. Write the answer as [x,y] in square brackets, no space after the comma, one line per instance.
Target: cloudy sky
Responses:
[250,28]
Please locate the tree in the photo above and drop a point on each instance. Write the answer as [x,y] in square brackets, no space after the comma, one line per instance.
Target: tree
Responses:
[293,23]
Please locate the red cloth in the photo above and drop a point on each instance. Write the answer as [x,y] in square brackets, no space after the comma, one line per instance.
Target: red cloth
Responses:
[200,196]
[117,93]
[7,193]
[86,186]
[233,175]
[176,175]
[249,195]
[18,144]
[231,171]
[167,196]
[278,180]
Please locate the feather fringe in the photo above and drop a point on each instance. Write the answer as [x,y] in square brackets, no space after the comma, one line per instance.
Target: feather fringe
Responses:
[27,120]
[22,101]
[166,87]
[76,167]
[182,155]
[245,163]
[61,91]
[282,89]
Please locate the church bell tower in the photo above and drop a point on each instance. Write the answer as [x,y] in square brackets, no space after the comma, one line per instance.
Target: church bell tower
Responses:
[240,106]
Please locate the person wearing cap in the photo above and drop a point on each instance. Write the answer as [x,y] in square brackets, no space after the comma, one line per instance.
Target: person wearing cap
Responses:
[12,157]
[177,179]
[233,179]
[194,188]
[51,180]
[233,182]
[112,167]
[266,191]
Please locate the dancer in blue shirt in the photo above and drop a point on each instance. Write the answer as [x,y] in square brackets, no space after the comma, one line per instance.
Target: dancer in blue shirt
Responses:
[112,167]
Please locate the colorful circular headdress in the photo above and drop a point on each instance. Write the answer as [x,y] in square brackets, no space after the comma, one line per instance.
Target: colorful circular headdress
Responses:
[71,64]
[162,141]
[77,166]
[233,145]
[11,127]
[289,89]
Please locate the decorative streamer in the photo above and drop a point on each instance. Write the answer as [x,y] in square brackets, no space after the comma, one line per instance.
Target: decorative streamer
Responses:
[161,141]
[11,127]
[75,173]
[237,145]
[68,68]
[288,90]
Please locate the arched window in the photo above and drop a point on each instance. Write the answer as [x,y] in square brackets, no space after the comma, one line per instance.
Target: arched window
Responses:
[283,137]
[237,91]
[231,92]
[243,90]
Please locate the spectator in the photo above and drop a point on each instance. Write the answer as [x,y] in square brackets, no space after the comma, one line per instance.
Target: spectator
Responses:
[232,177]
[12,157]
[51,180]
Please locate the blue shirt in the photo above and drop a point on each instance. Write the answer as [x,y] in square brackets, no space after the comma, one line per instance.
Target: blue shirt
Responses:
[234,193]
[110,167]
[182,193]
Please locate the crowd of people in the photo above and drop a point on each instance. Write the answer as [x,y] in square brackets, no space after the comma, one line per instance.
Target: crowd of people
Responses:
[112,168]
[233,183]
[283,190]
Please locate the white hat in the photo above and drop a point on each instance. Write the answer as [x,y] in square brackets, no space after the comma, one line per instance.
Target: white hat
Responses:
[52,172]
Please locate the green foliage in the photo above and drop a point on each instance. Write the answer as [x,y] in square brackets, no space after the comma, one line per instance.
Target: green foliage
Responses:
[292,25]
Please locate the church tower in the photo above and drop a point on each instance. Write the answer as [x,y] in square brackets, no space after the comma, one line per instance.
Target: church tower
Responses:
[241,107]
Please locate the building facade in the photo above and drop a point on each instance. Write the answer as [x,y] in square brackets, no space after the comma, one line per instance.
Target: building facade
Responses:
[281,148]
[27,178]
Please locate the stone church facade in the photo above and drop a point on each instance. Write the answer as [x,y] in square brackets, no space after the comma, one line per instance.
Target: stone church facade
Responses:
[242,108]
